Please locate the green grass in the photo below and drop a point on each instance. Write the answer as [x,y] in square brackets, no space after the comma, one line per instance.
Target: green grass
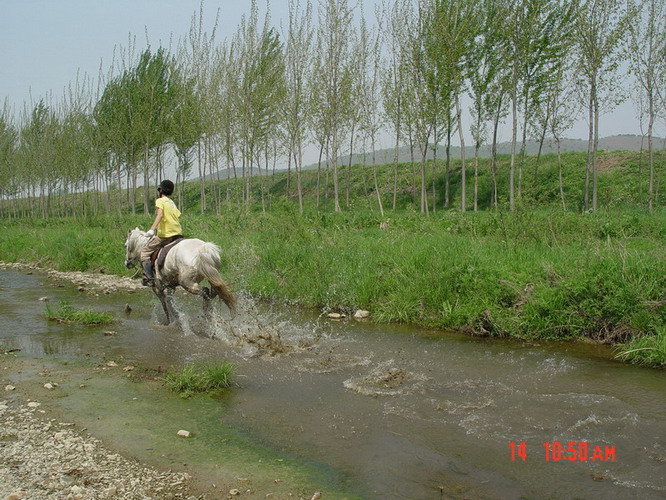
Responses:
[647,350]
[539,272]
[65,313]
[200,378]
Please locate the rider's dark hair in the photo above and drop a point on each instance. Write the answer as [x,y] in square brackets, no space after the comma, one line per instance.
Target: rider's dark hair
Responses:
[166,187]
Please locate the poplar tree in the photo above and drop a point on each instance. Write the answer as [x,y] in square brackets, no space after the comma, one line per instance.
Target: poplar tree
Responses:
[394,92]
[598,35]
[335,34]
[368,98]
[298,69]
[8,145]
[647,58]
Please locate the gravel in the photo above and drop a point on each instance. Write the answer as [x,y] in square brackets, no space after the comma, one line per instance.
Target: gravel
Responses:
[41,458]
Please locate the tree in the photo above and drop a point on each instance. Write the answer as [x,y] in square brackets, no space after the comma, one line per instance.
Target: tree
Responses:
[152,103]
[335,59]
[298,68]
[368,96]
[483,72]
[185,127]
[455,27]
[647,51]
[8,145]
[396,37]
[261,89]
[598,34]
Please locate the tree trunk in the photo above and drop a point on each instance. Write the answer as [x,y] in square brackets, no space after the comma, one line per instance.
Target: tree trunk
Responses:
[463,171]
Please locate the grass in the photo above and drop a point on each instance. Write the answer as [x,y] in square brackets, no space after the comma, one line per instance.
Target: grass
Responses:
[196,378]
[65,313]
[538,272]
[646,350]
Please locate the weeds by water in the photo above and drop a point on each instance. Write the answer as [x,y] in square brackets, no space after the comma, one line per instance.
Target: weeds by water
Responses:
[648,350]
[66,313]
[200,378]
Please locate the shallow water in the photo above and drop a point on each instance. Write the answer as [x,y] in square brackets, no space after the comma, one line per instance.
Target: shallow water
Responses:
[381,411]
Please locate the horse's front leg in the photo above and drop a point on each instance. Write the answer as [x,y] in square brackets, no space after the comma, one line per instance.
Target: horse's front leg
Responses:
[165,300]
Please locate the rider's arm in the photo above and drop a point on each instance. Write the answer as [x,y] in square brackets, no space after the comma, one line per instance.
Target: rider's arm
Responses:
[158,218]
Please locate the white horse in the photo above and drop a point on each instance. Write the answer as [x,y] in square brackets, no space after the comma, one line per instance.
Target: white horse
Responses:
[187,264]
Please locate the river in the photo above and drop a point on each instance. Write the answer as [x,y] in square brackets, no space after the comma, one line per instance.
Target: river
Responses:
[378,411]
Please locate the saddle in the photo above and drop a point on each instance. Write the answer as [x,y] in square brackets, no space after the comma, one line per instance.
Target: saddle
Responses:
[158,257]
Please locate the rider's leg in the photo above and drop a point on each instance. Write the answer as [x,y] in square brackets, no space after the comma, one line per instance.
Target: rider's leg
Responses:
[149,276]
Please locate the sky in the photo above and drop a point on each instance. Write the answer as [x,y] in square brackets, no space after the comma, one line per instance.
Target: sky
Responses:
[45,44]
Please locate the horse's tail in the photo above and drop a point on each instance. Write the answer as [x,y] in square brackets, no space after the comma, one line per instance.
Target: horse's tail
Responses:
[208,265]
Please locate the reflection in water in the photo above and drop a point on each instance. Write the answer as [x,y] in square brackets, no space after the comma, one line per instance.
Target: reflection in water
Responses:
[397,412]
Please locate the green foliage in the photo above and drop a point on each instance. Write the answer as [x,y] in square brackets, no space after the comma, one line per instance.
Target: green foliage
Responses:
[204,377]
[66,313]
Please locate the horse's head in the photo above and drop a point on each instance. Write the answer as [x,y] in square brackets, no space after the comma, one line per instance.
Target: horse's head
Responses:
[136,240]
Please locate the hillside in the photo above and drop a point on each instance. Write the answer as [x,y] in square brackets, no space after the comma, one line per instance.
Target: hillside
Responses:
[610,143]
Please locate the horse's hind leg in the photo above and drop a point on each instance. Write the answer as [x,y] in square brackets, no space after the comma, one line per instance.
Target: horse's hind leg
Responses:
[207,297]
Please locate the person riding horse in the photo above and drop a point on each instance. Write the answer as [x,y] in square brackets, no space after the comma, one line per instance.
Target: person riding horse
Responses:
[167,226]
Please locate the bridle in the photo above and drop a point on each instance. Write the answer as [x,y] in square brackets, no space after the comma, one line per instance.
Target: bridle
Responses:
[130,244]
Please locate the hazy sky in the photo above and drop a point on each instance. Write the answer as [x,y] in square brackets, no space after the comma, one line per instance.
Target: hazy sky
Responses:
[45,43]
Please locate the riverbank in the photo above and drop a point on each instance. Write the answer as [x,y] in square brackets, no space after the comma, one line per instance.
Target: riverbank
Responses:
[44,456]
[530,275]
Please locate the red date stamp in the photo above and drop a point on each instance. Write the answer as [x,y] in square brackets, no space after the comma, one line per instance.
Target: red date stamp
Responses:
[573,451]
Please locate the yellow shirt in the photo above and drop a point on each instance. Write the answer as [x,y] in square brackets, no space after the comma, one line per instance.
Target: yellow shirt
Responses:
[169,224]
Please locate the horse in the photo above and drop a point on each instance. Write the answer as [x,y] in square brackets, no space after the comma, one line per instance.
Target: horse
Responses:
[187,264]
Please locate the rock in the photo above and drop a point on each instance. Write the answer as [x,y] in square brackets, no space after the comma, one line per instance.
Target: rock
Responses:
[336,315]
[183,433]
[43,299]
[316,496]
[50,386]
[234,492]
[9,388]
[361,314]
[110,333]
[81,289]
[111,364]
[16,495]
[128,368]
[33,404]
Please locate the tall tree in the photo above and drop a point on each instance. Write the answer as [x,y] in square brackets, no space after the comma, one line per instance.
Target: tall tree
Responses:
[396,37]
[298,68]
[647,57]
[599,31]
[334,47]
[455,27]
[369,66]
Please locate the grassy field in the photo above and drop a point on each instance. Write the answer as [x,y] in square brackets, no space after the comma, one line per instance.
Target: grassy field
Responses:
[535,273]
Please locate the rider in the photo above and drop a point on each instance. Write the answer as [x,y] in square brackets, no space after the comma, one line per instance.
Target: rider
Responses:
[166,224]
